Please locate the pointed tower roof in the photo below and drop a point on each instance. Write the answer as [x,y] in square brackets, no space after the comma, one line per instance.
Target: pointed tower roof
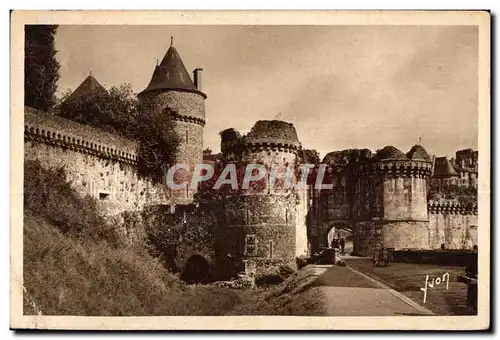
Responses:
[90,86]
[171,74]
[443,168]
[417,152]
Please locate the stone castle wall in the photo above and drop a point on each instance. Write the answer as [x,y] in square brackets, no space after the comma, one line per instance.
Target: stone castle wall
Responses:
[368,235]
[259,229]
[449,224]
[404,199]
[390,208]
[453,225]
[404,192]
[301,223]
[99,164]
[265,228]
[189,113]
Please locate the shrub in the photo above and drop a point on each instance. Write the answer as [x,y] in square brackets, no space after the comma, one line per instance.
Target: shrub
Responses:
[302,261]
[286,271]
[270,279]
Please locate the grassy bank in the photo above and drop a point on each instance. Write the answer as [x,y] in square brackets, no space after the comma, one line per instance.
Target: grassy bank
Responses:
[75,263]
[69,276]
[297,296]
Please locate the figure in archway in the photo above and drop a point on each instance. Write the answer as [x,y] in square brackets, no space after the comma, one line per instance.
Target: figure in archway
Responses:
[342,245]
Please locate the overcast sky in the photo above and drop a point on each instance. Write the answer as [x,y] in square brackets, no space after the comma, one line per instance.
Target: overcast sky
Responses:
[341,86]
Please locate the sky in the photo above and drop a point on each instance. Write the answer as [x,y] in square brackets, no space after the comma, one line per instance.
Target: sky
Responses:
[341,86]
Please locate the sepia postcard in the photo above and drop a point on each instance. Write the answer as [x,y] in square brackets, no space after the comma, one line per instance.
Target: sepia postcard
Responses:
[250,170]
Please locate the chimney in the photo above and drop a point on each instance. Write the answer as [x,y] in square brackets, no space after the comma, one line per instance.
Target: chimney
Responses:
[197,78]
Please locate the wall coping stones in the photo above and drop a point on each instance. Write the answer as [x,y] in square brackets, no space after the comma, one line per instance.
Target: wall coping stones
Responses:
[446,207]
[60,132]
[391,168]
[188,119]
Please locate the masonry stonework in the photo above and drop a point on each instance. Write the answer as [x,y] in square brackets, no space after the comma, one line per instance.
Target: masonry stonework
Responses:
[261,226]
[188,110]
[98,163]
[452,225]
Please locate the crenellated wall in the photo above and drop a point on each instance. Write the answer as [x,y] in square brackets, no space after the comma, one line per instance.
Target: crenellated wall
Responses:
[100,164]
[404,189]
[453,225]
[388,206]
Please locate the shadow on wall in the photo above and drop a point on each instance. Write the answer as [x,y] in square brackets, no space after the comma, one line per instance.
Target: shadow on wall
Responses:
[197,270]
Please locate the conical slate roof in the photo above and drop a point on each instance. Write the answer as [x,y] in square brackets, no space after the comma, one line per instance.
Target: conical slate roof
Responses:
[90,86]
[171,74]
[443,168]
[417,152]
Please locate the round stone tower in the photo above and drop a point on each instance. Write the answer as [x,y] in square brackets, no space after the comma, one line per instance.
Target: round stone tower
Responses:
[172,87]
[259,233]
[393,212]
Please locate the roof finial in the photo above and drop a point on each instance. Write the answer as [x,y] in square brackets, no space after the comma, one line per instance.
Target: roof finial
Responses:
[91,73]
[171,41]
[419,140]
[156,62]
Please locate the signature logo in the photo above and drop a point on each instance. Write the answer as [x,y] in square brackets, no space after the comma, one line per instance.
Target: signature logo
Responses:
[436,281]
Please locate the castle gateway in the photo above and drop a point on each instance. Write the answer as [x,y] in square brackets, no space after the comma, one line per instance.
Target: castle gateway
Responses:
[380,198]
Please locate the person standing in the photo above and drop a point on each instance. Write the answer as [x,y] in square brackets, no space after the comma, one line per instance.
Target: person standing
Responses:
[335,242]
[342,245]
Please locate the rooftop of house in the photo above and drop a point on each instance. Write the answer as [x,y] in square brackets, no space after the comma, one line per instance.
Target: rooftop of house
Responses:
[443,168]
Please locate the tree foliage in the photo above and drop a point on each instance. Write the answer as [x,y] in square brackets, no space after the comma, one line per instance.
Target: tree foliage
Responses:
[115,110]
[41,69]
[118,111]
[159,142]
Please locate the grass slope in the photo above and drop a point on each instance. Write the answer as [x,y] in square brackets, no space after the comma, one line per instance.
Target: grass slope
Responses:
[67,276]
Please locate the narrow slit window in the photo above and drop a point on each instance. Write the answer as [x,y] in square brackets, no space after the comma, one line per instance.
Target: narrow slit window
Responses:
[250,245]
[187,136]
